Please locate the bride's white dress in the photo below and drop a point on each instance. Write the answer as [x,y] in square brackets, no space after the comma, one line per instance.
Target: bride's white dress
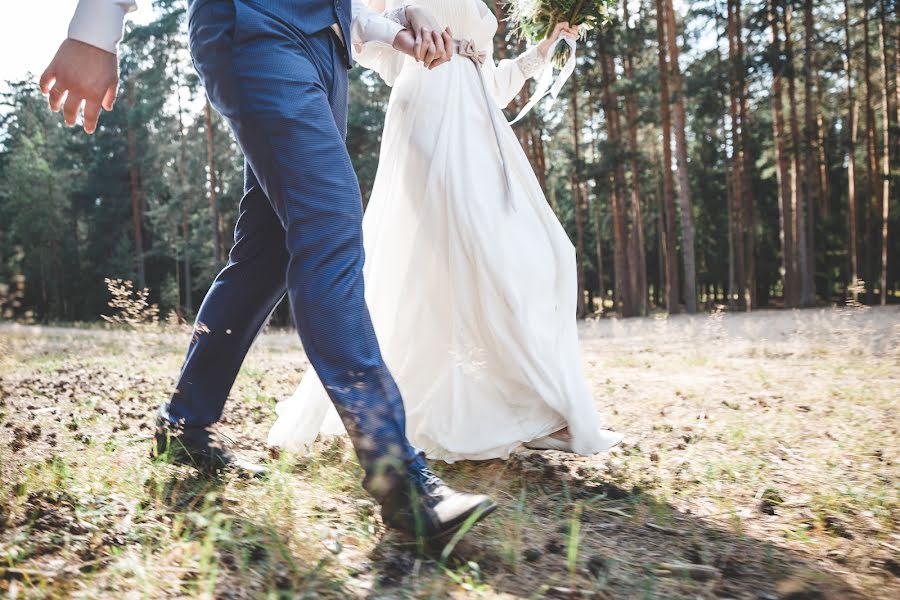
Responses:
[471,287]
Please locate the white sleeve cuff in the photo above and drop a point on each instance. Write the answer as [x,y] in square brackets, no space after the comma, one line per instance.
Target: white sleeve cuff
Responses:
[373,28]
[100,22]
[383,30]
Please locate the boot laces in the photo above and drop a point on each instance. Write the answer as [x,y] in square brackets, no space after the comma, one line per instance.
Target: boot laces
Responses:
[428,478]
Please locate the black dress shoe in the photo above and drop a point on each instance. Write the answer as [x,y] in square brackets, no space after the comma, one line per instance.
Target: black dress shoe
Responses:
[428,509]
[201,447]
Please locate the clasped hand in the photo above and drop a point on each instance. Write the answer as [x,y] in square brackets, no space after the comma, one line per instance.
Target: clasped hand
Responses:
[425,40]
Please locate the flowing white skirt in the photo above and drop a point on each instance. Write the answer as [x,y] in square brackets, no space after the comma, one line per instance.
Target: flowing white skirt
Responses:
[472,291]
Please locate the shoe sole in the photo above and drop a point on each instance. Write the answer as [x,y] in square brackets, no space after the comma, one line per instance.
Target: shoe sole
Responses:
[482,511]
[431,543]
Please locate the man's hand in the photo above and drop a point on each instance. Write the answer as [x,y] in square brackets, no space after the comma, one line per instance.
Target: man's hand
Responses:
[81,73]
[433,45]
[406,43]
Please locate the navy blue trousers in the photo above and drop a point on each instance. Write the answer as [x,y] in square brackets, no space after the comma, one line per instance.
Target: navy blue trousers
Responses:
[299,230]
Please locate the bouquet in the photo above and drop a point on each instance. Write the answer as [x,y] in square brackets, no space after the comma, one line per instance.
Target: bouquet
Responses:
[533,20]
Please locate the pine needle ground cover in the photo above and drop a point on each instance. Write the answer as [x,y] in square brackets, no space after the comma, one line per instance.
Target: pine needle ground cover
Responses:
[761,462]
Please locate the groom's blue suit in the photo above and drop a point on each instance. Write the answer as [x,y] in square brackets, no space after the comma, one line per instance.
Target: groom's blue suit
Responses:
[278,74]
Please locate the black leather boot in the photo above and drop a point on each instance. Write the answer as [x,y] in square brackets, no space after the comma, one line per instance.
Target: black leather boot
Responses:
[428,509]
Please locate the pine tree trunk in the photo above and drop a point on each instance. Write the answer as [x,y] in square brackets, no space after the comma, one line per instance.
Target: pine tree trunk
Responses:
[811,180]
[639,265]
[598,228]
[736,226]
[187,294]
[623,257]
[187,301]
[581,309]
[748,212]
[798,188]
[825,207]
[852,219]
[786,216]
[684,191]
[871,159]
[213,185]
[897,73]
[137,201]
[885,152]
[668,201]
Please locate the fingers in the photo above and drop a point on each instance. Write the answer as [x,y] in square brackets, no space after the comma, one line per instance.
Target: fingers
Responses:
[109,99]
[559,29]
[439,47]
[447,38]
[91,115]
[440,52]
[57,95]
[71,108]
[429,47]
[423,41]
[449,46]
[47,79]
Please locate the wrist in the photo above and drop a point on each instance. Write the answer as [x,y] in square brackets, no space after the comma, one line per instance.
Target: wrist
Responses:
[91,47]
[544,47]
[404,16]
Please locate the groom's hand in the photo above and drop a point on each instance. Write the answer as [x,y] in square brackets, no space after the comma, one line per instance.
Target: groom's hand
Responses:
[433,45]
[405,42]
[81,73]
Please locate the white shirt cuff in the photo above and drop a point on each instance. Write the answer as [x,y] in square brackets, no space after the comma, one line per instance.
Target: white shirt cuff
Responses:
[100,22]
[383,30]
[370,27]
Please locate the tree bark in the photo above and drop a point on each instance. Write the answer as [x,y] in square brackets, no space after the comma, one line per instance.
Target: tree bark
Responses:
[581,309]
[684,191]
[736,227]
[885,152]
[811,180]
[786,216]
[668,201]
[598,228]
[186,306]
[623,261]
[871,159]
[747,193]
[137,200]
[852,219]
[798,177]
[639,265]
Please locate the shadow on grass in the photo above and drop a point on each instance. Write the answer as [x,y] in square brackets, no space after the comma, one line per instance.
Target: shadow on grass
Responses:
[577,534]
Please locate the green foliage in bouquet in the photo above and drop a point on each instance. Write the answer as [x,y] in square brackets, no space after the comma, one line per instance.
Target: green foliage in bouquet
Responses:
[533,20]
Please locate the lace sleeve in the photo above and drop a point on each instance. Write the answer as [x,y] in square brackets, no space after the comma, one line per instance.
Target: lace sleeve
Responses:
[398,15]
[531,62]
[506,78]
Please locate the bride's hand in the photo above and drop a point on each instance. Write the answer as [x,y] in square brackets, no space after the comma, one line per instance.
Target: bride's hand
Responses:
[561,29]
